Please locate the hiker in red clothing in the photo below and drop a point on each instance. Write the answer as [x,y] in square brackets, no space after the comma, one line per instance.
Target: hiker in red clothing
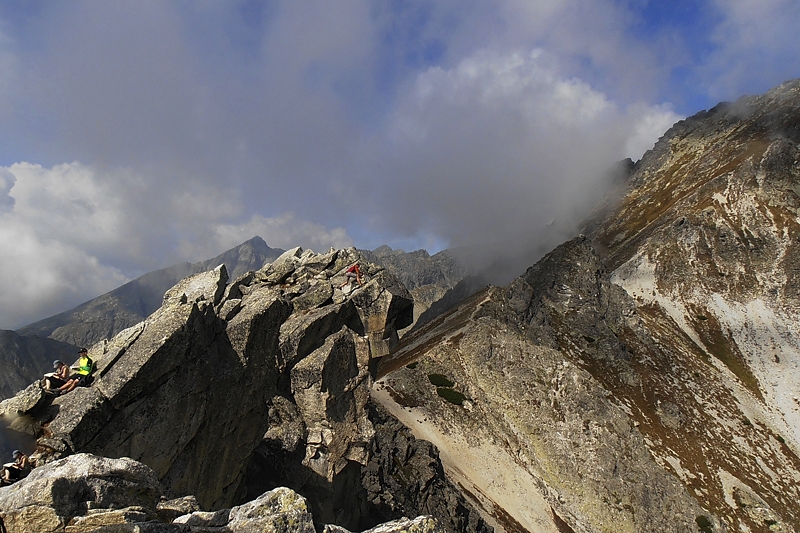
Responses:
[353,273]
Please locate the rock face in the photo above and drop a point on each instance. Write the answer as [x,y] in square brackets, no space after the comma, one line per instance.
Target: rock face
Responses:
[427,277]
[107,315]
[504,372]
[85,493]
[648,386]
[278,359]
[706,242]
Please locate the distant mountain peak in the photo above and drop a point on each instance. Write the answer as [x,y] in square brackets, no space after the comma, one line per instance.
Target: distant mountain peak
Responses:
[125,306]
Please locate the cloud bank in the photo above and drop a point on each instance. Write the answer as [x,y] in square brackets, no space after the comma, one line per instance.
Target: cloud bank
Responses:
[71,232]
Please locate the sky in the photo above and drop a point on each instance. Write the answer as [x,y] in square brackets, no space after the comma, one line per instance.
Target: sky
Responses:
[134,135]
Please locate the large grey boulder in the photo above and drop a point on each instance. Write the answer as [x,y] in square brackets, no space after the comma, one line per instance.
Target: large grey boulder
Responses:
[52,497]
[331,390]
[281,511]
[25,400]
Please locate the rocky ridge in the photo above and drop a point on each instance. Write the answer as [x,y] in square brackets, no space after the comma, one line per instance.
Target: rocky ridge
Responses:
[277,362]
[643,378]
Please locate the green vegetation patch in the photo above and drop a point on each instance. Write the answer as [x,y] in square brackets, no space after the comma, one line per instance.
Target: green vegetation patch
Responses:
[452,396]
[704,524]
[439,380]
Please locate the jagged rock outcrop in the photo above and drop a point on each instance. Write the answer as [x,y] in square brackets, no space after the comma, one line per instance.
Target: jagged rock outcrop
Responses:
[105,316]
[427,277]
[279,355]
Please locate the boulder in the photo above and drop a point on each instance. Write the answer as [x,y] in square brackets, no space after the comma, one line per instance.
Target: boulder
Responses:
[331,390]
[281,511]
[25,401]
[384,307]
[169,510]
[207,286]
[51,496]
[279,270]
[317,295]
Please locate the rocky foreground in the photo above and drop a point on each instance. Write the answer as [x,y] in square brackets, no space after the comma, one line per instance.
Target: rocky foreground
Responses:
[230,390]
[85,493]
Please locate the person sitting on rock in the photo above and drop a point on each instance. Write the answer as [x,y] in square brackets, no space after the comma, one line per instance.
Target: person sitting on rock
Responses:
[83,376]
[353,273]
[17,470]
[57,379]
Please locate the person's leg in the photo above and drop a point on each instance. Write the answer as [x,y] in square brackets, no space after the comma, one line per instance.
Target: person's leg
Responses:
[11,474]
[53,383]
[69,386]
[349,277]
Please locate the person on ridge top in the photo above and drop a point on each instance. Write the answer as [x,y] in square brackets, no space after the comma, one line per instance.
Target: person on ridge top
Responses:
[353,273]
[57,379]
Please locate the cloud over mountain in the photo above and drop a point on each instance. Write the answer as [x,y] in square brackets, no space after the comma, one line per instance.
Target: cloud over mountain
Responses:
[416,123]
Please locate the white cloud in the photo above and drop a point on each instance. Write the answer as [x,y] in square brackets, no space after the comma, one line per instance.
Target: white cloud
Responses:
[501,145]
[71,232]
[649,124]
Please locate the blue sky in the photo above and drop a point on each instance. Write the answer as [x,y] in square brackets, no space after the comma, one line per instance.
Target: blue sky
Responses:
[139,134]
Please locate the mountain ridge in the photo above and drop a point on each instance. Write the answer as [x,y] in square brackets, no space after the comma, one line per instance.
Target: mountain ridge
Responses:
[108,314]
